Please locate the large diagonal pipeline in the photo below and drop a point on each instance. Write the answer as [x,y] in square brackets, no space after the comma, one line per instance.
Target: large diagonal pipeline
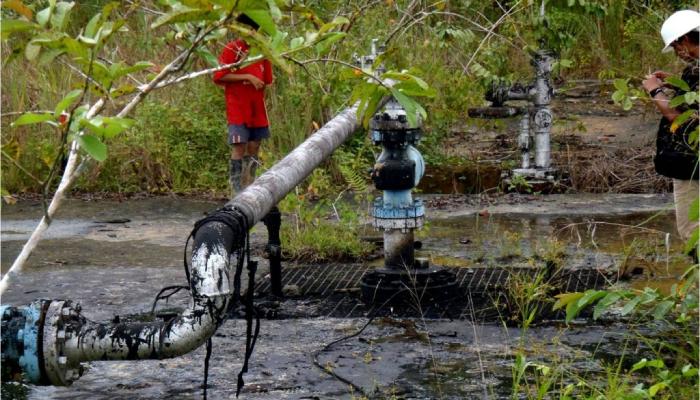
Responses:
[48,339]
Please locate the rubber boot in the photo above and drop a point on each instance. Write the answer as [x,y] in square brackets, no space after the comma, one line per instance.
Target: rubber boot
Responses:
[234,176]
[250,165]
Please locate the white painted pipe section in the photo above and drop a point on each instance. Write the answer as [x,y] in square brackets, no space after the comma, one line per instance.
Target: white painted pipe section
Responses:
[271,187]
[210,278]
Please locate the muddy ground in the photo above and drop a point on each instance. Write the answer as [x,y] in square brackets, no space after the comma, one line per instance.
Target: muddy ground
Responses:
[113,257]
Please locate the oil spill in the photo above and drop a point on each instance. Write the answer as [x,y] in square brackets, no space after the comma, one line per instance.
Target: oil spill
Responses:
[412,359]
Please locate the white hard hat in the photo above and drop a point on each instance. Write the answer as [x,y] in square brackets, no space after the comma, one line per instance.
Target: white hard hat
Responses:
[677,25]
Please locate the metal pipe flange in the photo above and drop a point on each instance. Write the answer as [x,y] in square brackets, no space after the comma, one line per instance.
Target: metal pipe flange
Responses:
[58,368]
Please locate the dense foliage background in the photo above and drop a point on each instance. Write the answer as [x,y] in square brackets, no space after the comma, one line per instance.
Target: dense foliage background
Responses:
[458,47]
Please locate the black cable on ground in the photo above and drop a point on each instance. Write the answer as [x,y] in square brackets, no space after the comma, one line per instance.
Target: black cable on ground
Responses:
[206,368]
[238,223]
[331,372]
[251,336]
[325,348]
[160,296]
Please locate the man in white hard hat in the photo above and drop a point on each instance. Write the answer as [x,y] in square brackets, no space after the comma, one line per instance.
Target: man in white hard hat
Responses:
[675,157]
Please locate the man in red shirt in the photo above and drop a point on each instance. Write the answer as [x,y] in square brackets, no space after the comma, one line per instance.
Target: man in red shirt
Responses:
[244,89]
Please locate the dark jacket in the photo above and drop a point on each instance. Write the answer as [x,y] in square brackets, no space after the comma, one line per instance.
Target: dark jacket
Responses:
[675,157]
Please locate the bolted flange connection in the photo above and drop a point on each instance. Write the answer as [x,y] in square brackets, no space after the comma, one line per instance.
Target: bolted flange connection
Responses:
[33,342]
[60,324]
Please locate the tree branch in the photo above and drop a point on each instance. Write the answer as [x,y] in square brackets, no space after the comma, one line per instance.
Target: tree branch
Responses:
[66,181]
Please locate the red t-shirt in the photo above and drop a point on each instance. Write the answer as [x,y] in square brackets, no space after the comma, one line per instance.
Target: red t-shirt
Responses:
[245,105]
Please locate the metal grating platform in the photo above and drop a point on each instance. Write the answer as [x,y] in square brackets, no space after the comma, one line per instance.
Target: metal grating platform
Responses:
[333,291]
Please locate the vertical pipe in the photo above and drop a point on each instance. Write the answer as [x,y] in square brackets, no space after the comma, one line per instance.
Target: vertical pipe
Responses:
[398,249]
[273,222]
[524,140]
[543,125]
[543,115]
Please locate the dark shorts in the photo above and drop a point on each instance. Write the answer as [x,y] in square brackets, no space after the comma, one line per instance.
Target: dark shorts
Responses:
[243,134]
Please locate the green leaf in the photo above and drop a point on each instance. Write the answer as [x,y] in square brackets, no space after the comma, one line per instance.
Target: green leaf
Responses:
[656,388]
[572,311]
[362,92]
[606,302]
[278,41]
[676,101]
[31,118]
[648,295]
[691,97]
[564,299]
[93,25]
[627,104]
[688,371]
[94,125]
[296,42]
[274,10]
[122,90]
[43,16]
[566,63]
[76,49]
[639,365]
[108,29]
[621,84]
[31,52]
[115,126]
[618,96]
[371,105]
[61,15]
[411,88]
[66,101]
[48,56]
[409,105]
[589,296]
[87,40]
[107,127]
[327,41]
[185,14]
[117,70]
[101,73]
[678,82]
[340,20]
[692,242]
[207,56]
[9,26]
[631,305]
[571,300]
[661,309]
[683,117]
[644,363]
[264,19]
[93,146]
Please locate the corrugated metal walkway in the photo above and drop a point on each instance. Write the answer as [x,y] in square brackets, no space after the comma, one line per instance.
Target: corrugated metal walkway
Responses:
[332,290]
